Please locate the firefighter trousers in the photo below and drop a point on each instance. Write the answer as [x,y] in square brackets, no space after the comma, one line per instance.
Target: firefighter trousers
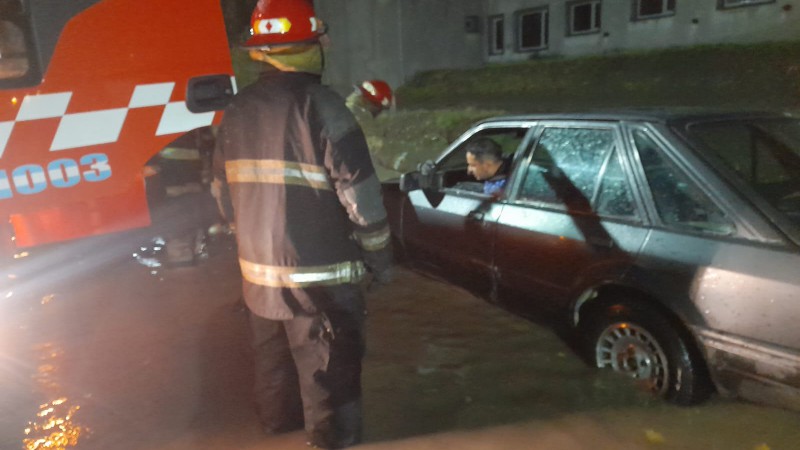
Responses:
[308,370]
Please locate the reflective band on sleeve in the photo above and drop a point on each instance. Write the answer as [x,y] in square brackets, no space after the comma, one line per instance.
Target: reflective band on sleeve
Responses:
[277,172]
[374,241]
[289,277]
[181,154]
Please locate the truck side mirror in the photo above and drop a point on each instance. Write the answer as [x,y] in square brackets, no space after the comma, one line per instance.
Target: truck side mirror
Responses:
[209,93]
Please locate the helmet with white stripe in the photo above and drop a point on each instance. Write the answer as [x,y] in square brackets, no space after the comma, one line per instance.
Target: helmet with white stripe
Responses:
[377,92]
[283,23]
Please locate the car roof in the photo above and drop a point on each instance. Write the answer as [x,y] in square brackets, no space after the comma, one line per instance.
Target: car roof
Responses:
[671,115]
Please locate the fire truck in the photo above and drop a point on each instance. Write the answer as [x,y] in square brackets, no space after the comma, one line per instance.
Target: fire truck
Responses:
[90,91]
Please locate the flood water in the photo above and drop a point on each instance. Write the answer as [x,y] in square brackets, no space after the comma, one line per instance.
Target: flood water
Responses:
[118,355]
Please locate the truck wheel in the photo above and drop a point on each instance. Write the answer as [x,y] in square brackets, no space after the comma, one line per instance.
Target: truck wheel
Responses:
[640,343]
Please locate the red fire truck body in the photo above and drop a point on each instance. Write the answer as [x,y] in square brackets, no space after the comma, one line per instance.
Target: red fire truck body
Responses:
[90,90]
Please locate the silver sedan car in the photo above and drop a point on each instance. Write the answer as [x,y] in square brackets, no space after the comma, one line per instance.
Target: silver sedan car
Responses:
[668,242]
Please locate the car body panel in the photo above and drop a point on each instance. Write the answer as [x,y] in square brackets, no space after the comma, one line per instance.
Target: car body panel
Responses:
[750,291]
[564,254]
[436,221]
[752,370]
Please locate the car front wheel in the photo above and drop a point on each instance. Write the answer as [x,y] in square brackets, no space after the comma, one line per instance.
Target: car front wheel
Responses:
[632,340]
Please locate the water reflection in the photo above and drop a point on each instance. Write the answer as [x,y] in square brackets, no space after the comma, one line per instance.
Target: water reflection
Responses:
[150,255]
[180,250]
[54,427]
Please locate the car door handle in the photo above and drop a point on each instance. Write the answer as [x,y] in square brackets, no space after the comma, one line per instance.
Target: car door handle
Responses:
[475,216]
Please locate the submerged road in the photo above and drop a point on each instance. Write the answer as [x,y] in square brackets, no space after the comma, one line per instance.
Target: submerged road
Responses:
[109,354]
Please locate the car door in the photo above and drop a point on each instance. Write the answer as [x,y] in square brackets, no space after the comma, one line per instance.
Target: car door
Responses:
[449,229]
[572,219]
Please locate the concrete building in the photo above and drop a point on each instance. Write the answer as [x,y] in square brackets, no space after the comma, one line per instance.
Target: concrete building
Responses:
[396,39]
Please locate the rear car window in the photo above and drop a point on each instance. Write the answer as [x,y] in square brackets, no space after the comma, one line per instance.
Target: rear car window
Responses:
[765,154]
[679,201]
[578,168]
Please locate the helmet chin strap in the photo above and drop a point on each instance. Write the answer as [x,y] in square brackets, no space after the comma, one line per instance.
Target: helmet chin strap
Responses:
[310,60]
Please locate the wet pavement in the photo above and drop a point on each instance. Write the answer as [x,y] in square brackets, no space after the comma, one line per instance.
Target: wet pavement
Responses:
[99,351]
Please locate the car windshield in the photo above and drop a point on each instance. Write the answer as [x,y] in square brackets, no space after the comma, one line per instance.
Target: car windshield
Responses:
[764,153]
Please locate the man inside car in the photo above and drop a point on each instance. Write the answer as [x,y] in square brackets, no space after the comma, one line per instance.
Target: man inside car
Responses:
[485,163]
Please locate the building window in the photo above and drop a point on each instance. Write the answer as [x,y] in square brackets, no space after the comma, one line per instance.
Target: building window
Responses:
[532,29]
[649,9]
[584,17]
[496,35]
[726,4]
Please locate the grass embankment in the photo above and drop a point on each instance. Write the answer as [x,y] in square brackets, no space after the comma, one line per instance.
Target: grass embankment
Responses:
[435,107]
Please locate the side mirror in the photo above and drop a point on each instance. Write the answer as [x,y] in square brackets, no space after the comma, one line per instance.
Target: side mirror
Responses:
[426,168]
[209,93]
[425,177]
[410,181]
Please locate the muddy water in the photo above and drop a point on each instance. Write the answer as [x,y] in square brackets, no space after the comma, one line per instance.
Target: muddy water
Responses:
[441,360]
[120,356]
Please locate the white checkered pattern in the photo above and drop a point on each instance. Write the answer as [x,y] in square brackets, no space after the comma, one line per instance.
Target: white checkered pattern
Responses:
[104,126]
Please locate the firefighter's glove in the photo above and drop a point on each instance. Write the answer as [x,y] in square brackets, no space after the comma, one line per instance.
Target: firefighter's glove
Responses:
[379,263]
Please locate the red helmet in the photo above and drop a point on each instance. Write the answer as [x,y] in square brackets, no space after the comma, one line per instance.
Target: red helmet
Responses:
[283,22]
[377,92]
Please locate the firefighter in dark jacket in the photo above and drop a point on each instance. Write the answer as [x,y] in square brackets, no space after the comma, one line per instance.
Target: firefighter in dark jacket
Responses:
[310,226]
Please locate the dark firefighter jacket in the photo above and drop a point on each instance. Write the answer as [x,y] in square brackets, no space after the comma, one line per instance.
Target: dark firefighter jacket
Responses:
[306,201]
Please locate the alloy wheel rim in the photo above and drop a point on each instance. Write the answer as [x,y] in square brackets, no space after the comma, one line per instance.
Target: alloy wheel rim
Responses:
[629,349]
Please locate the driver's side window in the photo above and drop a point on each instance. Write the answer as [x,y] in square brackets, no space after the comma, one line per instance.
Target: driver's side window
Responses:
[453,168]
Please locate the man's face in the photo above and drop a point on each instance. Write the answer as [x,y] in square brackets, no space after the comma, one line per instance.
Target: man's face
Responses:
[481,170]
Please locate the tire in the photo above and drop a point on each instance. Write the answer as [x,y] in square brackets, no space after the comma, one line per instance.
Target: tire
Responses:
[630,339]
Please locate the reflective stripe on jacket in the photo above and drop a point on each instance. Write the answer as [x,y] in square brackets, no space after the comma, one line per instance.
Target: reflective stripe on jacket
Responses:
[305,196]
[289,277]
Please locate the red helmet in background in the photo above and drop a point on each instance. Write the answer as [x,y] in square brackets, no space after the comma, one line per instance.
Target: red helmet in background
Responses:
[283,22]
[377,92]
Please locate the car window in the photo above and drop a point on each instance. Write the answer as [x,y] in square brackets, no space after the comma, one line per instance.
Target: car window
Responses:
[746,149]
[578,167]
[614,197]
[508,139]
[453,167]
[764,153]
[678,200]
